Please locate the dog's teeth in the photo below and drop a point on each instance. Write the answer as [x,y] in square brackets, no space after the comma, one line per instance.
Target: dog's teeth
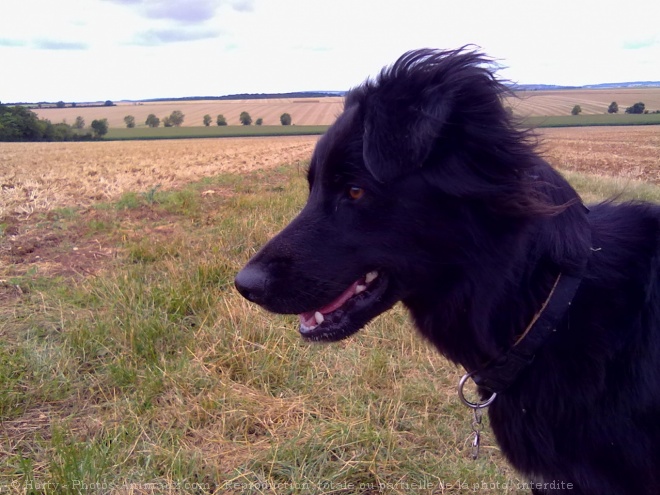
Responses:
[318,317]
[371,276]
[360,288]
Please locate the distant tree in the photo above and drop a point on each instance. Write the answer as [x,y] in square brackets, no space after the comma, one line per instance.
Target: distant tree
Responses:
[577,109]
[100,127]
[245,118]
[130,121]
[152,120]
[613,108]
[221,120]
[74,105]
[59,132]
[285,119]
[167,121]
[636,108]
[60,104]
[79,123]
[259,121]
[20,124]
[207,120]
[176,118]
[108,103]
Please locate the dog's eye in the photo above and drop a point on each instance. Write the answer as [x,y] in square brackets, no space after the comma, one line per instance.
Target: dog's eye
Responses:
[355,192]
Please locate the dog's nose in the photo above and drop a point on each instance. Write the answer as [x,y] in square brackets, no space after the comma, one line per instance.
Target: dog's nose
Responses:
[251,283]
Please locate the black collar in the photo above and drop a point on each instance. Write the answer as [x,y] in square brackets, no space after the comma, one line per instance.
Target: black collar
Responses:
[502,372]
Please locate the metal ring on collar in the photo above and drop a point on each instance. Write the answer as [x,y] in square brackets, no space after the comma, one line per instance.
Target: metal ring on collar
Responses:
[473,405]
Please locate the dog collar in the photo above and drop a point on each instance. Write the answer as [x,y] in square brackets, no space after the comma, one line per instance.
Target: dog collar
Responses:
[500,373]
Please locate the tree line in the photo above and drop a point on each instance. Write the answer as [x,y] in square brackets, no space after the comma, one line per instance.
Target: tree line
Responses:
[18,123]
[176,119]
[637,108]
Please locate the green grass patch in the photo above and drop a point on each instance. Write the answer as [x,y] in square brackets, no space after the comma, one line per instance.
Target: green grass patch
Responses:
[148,133]
[591,120]
[594,188]
[63,213]
[129,201]
[212,131]
[155,376]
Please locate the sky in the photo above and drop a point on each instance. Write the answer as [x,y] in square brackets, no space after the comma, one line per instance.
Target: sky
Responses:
[91,50]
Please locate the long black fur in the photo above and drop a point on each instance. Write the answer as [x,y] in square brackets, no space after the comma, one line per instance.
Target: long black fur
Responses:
[469,226]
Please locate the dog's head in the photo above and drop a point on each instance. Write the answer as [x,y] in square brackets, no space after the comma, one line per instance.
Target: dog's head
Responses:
[421,175]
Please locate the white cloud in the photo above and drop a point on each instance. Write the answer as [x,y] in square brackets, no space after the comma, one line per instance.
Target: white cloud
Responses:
[113,49]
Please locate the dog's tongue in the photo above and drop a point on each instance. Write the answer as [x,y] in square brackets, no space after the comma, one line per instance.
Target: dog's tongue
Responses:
[308,318]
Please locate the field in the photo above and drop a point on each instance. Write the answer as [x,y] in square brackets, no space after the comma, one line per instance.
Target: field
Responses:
[306,111]
[624,153]
[46,176]
[130,365]
[323,111]
[592,101]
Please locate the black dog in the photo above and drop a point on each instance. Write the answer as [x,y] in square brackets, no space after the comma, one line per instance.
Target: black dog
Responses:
[424,191]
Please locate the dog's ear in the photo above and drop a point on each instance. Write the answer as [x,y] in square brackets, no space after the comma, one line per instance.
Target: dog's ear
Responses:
[399,135]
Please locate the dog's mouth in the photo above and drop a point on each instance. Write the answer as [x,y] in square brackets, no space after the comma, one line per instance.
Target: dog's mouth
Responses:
[349,312]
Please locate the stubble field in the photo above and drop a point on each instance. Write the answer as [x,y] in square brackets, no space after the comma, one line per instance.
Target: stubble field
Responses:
[592,101]
[37,177]
[130,365]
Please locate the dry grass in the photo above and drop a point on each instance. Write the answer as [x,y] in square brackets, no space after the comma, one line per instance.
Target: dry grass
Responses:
[36,177]
[155,376]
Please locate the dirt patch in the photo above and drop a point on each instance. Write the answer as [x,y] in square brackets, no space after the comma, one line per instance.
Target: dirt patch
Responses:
[54,255]
[89,240]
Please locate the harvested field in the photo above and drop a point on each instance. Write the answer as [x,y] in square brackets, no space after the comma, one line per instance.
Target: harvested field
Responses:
[42,176]
[324,111]
[625,152]
[303,112]
[592,101]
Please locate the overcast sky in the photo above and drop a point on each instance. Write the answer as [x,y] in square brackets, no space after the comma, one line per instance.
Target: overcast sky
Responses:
[88,50]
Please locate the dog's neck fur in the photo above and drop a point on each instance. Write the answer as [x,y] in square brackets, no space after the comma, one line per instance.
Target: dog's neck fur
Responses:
[469,298]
